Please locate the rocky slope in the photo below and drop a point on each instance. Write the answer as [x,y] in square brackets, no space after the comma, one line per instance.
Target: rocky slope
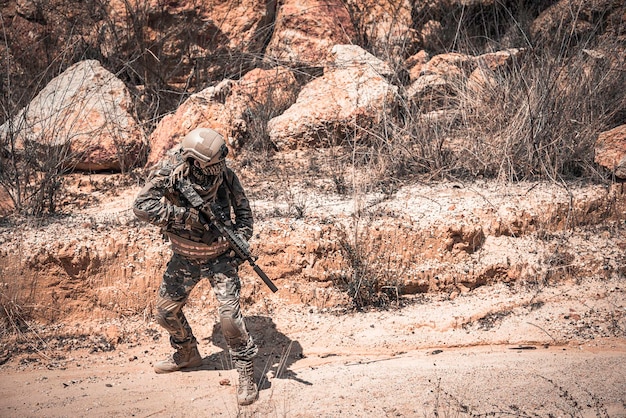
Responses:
[126,80]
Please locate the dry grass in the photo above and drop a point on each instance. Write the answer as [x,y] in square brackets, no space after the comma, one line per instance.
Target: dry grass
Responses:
[539,120]
[17,299]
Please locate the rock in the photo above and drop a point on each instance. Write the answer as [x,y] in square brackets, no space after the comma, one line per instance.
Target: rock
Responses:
[500,59]
[610,150]
[451,66]
[431,35]
[352,89]
[558,26]
[438,80]
[82,120]
[28,9]
[481,82]
[205,108]
[429,87]
[305,30]
[415,63]
[189,42]
[227,108]
[345,57]
[387,25]
[549,26]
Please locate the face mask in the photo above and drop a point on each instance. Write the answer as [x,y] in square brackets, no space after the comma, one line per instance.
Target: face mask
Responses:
[208,178]
[208,169]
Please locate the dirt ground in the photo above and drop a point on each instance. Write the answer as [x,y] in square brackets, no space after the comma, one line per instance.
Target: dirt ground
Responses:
[509,345]
[542,354]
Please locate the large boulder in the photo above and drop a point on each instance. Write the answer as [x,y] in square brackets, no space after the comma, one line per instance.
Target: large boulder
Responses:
[227,108]
[438,80]
[386,25]
[611,151]
[305,30]
[353,93]
[83,118]
[567,23]
[40,39]
[185,43]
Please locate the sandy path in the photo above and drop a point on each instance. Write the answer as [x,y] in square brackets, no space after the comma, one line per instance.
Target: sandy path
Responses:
[437,357]
[482,380]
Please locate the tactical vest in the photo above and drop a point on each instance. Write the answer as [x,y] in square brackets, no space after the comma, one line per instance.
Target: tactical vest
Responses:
[191,245]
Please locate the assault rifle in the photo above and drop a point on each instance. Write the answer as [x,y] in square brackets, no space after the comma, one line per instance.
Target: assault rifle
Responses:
[217,218]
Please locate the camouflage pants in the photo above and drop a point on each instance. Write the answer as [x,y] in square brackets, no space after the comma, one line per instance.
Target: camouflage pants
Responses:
[180,277]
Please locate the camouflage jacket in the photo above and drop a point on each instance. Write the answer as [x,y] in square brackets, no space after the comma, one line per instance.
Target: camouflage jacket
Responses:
[161,204]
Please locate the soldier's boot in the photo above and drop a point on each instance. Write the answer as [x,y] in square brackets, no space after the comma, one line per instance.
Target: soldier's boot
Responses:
[247,392]
[186,356]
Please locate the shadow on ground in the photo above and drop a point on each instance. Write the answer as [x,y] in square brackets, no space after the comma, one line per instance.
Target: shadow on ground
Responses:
[277,352]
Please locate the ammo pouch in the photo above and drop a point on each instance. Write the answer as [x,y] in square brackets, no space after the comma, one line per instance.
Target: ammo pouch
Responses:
[192,249]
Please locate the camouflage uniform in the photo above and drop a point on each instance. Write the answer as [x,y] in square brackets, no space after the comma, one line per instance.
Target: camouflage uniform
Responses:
[198,253]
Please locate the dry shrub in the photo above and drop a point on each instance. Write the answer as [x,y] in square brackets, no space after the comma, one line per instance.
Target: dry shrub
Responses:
[17,301]
[361,281]
[371,276]
[539,120]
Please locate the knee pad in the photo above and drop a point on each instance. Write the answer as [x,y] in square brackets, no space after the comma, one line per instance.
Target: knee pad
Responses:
[167,311]
[234,332]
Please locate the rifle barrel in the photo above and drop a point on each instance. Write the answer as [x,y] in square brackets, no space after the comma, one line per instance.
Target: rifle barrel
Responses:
[264,277]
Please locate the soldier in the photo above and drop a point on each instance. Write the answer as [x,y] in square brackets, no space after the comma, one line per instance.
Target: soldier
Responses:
[198,252]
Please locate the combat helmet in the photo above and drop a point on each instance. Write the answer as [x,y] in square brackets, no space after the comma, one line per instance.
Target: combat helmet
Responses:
[206,147]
